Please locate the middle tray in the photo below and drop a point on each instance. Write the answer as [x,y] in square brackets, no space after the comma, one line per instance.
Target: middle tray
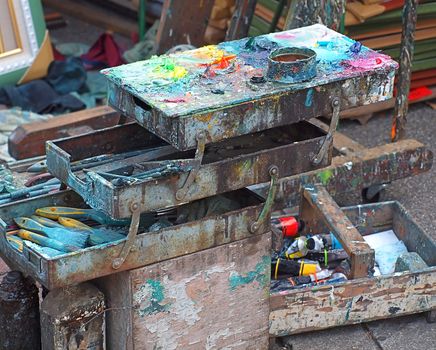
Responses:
[114,184]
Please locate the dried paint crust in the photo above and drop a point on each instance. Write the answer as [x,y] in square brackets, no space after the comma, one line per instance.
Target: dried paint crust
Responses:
[222,91]
[181,84]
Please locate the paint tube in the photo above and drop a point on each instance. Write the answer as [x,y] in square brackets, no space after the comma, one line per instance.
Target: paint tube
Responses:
[288,225]
[300,247]
[282,268]
[321,275]
[328,258]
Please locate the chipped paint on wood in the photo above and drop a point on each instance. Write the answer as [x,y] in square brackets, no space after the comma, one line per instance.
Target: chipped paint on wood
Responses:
[223,290]
[356,301]
[258,274]
[245,161]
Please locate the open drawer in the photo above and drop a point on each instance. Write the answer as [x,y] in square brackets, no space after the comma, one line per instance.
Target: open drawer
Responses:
[194,234]
[172,177]
[366,298]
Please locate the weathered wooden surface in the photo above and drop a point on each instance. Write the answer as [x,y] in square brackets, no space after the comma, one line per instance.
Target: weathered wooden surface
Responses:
[19,312]
[214,299]
[151,247]
[306,12]
[318,205]
[175,96]
[355,301]
[403,83]
[73,318]
[28,140]
[245,160]
[183,22]
[363,299]
[353,173]
[241,19]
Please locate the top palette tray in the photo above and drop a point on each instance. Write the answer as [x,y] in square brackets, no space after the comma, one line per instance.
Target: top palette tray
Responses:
[224,90]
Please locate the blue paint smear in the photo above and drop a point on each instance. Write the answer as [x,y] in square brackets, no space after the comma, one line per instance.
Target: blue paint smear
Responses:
[309,98]
[260,274]
[157,297]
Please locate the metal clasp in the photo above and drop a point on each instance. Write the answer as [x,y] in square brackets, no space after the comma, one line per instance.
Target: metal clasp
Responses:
[199,153]
[263,216]
[318,158]
[133,231]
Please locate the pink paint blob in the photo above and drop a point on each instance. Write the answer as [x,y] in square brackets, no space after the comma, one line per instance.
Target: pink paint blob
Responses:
[284,35]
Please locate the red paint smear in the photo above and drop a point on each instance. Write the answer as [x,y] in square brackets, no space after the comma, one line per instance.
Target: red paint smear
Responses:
[418,93]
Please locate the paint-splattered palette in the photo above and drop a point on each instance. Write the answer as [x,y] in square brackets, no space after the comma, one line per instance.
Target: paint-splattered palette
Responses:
[212,88]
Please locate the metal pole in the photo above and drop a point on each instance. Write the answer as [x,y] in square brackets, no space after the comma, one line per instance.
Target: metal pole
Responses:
[398,130]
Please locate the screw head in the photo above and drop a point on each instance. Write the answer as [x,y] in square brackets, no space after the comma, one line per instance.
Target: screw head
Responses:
[134,206]
[116,263]
[254,227]
[273,170]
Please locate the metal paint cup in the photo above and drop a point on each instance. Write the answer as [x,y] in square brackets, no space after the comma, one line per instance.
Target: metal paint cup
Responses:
[291,65]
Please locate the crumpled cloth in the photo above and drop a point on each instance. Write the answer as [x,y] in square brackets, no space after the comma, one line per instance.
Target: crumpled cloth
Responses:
[49,95]
[145,48]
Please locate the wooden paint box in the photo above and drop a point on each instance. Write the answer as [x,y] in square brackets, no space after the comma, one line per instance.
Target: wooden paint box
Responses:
[368,298]
[214,299]
[224,91]
[244,160]
[147,247]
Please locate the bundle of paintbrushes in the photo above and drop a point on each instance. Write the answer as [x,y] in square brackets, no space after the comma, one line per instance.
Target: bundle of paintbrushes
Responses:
[54,231]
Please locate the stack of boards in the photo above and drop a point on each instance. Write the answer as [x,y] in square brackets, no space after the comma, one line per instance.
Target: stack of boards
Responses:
[377,24]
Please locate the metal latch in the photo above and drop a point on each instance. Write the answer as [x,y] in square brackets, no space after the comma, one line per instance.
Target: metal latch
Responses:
[199,153]
[133,230]
[317,159]
[263,216]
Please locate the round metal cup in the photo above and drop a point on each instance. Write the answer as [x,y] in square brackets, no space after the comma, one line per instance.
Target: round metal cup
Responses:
[291,65]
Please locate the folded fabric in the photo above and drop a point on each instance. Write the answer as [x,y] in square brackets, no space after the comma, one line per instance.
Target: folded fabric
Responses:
[38,96]
[104,53]
[66,76]
[49,95]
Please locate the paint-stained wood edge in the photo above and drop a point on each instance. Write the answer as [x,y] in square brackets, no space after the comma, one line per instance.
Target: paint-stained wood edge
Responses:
[28,140]
[317,204]
[356,301]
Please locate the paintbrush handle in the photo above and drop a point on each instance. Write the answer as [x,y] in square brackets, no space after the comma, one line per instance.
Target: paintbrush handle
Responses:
[56,212]
[73,223]
[46,222]
[15,242]
[44,241]
[80,214]
[31,225]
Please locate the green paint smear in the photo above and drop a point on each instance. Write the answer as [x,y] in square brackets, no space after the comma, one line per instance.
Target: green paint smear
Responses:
[157,296]
[325,176]
[260,275]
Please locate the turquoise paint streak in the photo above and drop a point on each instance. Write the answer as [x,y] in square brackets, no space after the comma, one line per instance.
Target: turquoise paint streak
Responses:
[260,274]
[157,297]
[309,98]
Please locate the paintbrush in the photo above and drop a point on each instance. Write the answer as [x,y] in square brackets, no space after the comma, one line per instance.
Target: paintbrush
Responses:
[45,242]
[80,214]
[46,222]
[74,238]
[96,235]
[44,251]
[15,242]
